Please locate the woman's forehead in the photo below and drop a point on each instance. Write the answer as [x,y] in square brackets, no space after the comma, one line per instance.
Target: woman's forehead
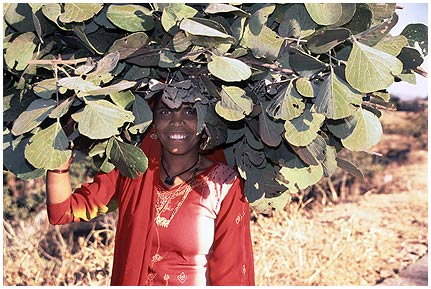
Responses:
[161,104]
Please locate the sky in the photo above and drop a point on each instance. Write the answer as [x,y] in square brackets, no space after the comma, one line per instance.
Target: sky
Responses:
[412,13]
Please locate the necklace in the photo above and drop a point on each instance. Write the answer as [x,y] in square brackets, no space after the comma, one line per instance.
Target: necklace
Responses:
[165,198]
[170,180]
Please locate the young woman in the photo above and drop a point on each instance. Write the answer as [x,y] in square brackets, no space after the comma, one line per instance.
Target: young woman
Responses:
[184,222]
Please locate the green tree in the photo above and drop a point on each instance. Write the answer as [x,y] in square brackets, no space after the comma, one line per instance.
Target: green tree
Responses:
[283,88]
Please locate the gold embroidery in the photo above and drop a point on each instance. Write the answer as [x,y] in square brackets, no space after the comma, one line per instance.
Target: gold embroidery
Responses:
[164,199]
[182,277]
[166,278]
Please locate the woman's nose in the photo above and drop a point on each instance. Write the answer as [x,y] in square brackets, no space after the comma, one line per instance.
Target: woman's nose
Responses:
[177,120]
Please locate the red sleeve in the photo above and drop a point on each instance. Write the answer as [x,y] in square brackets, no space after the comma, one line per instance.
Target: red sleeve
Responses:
[231,262]
[86,202]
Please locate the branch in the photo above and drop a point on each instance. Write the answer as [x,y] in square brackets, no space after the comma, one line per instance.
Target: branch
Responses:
[268,65]
[419,70]
[57,61]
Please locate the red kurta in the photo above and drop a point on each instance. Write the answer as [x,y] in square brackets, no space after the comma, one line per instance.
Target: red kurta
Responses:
[228,254]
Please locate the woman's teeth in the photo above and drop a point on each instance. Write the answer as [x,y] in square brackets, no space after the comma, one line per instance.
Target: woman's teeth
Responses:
[177,136]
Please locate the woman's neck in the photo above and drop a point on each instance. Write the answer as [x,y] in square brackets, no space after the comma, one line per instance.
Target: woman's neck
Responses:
[175,164]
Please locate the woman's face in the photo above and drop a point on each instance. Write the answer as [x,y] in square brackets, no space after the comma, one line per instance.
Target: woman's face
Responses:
[176,128]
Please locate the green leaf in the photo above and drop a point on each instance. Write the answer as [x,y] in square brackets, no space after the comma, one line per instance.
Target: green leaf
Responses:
[410,58]
[382,11]
[287,104]
[79,12]
[215,128]
[348,11]
[204,27]
[417,33]
[305,64]
[77,84]
[173,14]
[129,160]
[45,88]
[361,20]
[392,45]
[143,116]
[324,13]
[299,178]
[269,130]
[376,33]
[304,87]
[228,69]
[260,183]
[369,69]
[101,119]
[367,132]
[34,115]
[48,148]
[62,108]
[120,86]
[256,32]
[18,15]
[14,158]
[342,128]
[20,51]
[129,44]
[132,18]
[303,130]
[336,98]
[349,167]
[296,23]
[214,8]
[327,40]
[234,104]
[123,99]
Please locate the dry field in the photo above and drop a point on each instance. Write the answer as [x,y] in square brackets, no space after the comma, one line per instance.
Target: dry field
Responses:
[358,239]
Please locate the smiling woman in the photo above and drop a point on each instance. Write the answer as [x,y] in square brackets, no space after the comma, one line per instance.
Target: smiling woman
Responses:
[184,222]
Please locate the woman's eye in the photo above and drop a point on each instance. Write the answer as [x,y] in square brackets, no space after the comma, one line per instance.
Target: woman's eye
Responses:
[190,112]
[165,111]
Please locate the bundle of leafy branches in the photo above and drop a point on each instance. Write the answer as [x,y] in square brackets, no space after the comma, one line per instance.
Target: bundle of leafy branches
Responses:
[282,88]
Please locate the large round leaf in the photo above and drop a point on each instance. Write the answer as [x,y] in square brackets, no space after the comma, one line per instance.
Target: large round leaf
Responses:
[417,33]
[287,104]
[324,13]
[48,148]
[369,69]
[303,130]
[14,158]
[79,12]
[129,159]
[300,178]
[234,104]
[229,69]
[34,115]
[296,18]
[174,13]
[101,119]
[20,51]
[132,18]
[368,132]
[327,40]
[336,98]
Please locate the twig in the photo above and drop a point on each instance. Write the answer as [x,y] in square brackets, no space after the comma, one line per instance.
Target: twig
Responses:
[268,65]
[57,61]
[332,189]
